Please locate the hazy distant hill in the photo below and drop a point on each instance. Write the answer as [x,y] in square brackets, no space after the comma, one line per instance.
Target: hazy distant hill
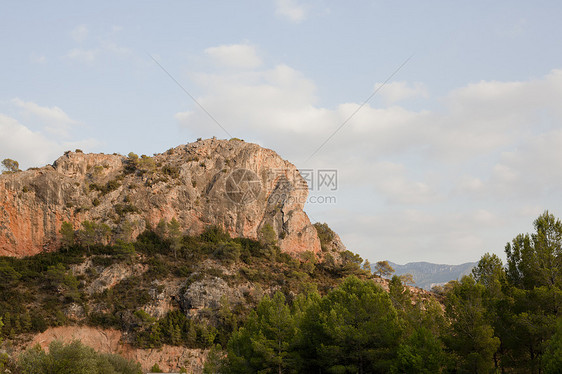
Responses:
[427,274]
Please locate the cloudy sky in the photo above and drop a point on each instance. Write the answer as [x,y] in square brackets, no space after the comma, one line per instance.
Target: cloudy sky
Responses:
[455,155]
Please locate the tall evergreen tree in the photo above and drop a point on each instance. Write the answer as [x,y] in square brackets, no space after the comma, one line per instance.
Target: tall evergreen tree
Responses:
[175,236]
[471,335]
[536,260]
[263,344]
[355,329]
[68,234]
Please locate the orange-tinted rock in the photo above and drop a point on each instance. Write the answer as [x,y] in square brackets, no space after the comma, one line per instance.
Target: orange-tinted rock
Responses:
[238,186]
[168,358]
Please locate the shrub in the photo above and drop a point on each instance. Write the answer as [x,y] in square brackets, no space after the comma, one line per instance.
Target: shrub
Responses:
[268,237]
[157,269]
[111,185]
[149,242]
[228,252]
[73,358]
[10,165]
[123,209]
[214,234]
[131,163]
[325,234]
[146,164]
[172,171]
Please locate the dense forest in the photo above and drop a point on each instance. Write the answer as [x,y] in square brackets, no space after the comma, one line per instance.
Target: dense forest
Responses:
[502,318]
[326,316]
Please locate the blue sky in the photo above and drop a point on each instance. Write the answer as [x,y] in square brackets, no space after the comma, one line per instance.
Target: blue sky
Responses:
[456,155]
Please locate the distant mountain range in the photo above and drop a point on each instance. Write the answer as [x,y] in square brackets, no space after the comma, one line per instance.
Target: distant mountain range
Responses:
[427,275]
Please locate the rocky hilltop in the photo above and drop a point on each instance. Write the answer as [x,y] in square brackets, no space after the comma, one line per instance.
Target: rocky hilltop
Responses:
[238,186]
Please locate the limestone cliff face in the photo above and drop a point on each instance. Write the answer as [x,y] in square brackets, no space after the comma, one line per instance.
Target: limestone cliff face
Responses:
[238,186]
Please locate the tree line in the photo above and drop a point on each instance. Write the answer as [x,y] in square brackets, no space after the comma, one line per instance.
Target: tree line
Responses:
[503,318]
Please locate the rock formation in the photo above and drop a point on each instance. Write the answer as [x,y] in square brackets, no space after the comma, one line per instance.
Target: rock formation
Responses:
[110,341]
[238,186]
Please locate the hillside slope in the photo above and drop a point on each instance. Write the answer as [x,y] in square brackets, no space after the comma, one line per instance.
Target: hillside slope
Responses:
[160,259]
[151,301]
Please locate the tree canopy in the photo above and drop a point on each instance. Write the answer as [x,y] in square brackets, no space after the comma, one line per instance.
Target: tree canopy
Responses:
[383,269]
[501,318]
[10,165]
[73,358]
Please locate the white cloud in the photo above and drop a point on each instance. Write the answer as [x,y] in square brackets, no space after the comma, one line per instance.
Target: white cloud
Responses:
[32,148]
[23,145]
[279,98]
[469,184]
[291,10]
[235,55]
[406,235]
[38,59]
[397,91]
[83,55]
[56,121]
[484,217]
[480,120]
[91,55]
[183,116]
[79,33]
[531,168]
[101,47]
[40,136]
[113,48]
[391,180]
[469,169]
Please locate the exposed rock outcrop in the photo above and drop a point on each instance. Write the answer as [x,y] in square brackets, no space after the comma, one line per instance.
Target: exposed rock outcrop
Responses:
[207,293]
[168,358]
[238,186]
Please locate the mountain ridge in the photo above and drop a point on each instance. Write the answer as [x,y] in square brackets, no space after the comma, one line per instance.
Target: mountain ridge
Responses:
[428,274]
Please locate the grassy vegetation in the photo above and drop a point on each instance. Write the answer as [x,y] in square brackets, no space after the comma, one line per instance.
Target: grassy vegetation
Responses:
[38,292]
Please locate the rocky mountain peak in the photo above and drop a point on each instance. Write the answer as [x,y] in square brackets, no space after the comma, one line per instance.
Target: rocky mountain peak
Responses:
[239,186]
